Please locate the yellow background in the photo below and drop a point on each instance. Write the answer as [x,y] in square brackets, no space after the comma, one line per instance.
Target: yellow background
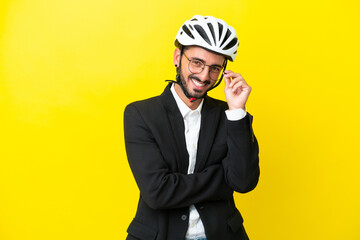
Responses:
[69,67]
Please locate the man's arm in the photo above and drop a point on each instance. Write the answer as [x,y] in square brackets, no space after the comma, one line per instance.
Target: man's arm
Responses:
[160,187]
[242,162]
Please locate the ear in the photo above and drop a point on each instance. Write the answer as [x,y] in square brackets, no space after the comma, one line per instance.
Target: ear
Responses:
[177,56]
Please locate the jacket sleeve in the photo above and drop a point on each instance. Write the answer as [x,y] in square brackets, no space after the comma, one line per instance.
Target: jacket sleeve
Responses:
[159,187]
[242,162]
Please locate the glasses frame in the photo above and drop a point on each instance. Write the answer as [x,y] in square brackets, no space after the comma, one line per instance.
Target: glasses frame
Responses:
[204,65]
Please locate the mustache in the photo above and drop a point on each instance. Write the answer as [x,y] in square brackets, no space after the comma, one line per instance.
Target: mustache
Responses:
[198,79]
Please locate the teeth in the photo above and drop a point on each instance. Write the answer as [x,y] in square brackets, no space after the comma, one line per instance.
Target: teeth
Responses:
[198,84]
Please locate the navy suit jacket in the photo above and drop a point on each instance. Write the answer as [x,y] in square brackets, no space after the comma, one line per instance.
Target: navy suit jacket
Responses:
[227,161]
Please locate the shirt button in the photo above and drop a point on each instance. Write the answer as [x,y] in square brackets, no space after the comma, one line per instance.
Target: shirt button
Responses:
[183,217]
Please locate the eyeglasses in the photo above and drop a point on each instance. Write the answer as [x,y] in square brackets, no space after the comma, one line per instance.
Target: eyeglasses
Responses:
[197,66]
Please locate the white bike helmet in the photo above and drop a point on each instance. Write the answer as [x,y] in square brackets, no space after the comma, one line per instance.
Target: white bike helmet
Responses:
[208,32]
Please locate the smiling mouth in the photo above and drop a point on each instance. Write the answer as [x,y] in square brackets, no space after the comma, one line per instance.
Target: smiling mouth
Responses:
[197,83]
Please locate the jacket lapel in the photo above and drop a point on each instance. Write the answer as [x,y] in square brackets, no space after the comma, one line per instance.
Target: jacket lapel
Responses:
[210,116]
[177,130]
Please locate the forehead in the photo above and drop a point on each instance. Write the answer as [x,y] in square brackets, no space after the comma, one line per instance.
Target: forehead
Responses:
[201,53]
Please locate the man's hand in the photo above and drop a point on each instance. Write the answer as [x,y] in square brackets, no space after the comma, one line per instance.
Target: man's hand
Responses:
[236,90]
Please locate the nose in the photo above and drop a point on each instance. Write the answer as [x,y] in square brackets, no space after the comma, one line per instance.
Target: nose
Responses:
[205,74]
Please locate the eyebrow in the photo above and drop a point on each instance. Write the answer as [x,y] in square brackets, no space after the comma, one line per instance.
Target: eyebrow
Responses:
[201,60]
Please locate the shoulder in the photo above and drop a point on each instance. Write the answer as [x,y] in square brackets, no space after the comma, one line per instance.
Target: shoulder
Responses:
[153,103]
[144,107]
[144,103]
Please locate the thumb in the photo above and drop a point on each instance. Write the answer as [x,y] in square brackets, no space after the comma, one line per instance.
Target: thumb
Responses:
[227,81]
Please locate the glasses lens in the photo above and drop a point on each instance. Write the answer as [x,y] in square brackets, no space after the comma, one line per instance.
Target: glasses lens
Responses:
[196,66]
[216,77]
[215,72]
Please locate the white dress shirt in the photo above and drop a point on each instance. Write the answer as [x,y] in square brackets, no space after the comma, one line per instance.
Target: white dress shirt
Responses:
[192,121]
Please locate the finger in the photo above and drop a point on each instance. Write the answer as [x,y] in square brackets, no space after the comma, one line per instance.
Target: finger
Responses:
[241,84]
[235,77]
[227,72]
[235,80]
[232,74]
[237,86]
[227,80]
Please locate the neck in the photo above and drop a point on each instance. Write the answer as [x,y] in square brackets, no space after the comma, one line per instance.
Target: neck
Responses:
[192,105]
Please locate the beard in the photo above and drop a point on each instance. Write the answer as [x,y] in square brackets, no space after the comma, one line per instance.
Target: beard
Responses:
[185,88]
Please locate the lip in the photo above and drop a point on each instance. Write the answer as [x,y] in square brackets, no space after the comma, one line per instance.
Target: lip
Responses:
[198,85]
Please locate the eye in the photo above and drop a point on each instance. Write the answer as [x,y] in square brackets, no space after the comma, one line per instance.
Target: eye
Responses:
[197,63]
[215,69]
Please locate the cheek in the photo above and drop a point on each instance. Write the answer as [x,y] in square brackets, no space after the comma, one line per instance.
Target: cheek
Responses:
[185,73]
[185,70]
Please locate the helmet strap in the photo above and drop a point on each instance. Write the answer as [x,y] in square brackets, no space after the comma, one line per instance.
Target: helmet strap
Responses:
[221,77]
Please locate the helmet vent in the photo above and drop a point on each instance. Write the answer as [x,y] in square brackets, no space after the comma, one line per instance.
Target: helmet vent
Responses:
[228,33]
[212,31]
[187,31]
[231,44]
[220,30]
[202,33]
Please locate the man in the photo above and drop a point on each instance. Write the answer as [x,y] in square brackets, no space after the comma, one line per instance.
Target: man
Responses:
[189,152]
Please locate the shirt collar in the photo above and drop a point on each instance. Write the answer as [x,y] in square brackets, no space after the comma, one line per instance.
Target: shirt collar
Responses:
[184,109]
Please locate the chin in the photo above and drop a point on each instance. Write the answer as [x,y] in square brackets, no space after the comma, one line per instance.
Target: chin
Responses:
[197,94]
